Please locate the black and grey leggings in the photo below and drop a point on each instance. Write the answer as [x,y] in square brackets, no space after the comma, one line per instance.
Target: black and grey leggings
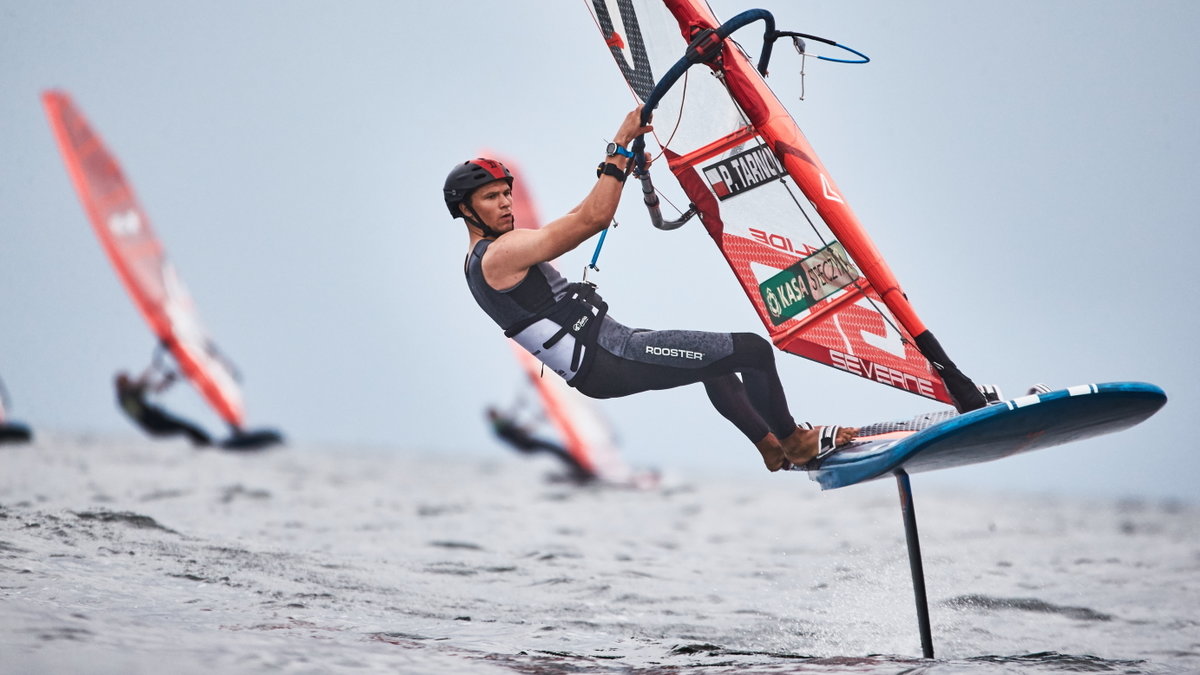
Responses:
[654,360]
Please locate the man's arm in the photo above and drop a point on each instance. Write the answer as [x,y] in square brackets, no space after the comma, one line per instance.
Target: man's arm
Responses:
[514,253]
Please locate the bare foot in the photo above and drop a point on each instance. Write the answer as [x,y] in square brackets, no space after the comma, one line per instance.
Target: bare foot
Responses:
[772,452]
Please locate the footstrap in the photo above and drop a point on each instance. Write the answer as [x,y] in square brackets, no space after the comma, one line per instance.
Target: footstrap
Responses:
[991,393]
[827,442]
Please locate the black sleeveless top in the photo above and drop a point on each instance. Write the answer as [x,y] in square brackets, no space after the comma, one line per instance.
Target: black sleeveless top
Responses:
[554,320]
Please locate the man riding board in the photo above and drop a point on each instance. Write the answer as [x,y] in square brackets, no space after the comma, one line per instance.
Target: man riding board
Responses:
[567,326]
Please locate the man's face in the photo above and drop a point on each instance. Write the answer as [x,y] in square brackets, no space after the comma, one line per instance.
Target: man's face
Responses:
[493,203]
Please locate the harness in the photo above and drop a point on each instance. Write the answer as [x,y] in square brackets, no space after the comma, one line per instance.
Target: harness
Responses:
[579,313]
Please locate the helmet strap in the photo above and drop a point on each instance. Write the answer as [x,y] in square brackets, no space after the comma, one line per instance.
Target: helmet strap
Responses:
[475,220]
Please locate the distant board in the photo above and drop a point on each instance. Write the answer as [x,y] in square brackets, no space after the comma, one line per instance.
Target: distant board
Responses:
[942,440]
[14,432]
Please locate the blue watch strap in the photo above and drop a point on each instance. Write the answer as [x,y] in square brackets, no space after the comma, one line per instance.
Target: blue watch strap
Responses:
[618,149]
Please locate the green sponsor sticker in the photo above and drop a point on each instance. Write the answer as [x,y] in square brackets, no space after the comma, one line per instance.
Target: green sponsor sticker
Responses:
[812,279]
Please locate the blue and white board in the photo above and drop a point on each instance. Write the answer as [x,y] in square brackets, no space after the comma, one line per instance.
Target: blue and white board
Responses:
[942,440]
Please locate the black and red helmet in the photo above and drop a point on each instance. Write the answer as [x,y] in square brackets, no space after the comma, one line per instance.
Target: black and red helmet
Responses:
[469,176]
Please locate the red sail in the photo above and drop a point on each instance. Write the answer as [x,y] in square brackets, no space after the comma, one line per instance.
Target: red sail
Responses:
[819,285]
[138,257]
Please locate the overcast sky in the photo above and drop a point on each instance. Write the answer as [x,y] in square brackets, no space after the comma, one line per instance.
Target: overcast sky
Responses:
[1028,168]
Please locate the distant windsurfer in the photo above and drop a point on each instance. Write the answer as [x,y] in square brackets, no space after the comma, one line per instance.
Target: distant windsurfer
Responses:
[132,397]
[11,431]
[566,326]
[522,440]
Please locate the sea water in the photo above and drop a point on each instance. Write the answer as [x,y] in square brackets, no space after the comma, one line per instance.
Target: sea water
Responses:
[131,556]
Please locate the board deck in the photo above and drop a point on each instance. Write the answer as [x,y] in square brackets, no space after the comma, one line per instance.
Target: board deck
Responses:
[14,432]
[946,439]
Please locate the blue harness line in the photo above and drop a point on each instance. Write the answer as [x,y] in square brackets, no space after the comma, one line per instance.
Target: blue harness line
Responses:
[596,253]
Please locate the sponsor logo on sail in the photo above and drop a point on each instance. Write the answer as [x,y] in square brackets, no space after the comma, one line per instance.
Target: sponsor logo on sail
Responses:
[881,373]
[125,223]
[744,171]
[802,285]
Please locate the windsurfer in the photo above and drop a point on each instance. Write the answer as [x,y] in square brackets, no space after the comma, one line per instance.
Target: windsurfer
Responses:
[11,432]
[566,326]
[522,440]
[132,397]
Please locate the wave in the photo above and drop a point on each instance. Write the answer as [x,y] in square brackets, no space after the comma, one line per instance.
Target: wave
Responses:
[1026,605]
